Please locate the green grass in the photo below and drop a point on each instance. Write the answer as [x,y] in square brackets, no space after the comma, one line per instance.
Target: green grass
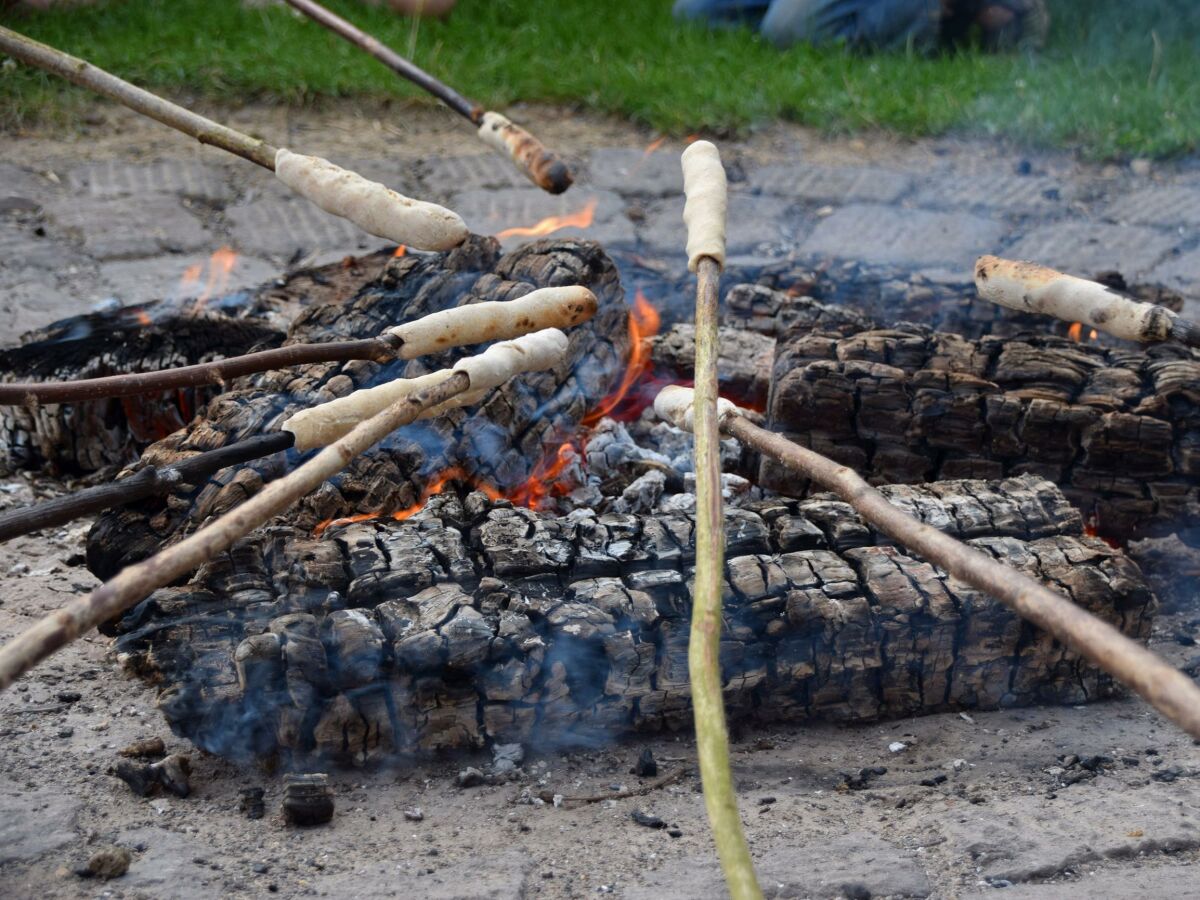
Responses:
[1118,78]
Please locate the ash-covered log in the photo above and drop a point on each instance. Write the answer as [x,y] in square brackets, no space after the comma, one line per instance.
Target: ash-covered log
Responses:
[1117,429]
[500,441]
[100,434]
[475,621]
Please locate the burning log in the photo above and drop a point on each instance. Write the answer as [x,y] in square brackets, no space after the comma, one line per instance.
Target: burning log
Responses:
[371,206]
[500,442]
[474,621]
[1119,430]
[527,153]
[1028,287]
[1164,687]
[497,365]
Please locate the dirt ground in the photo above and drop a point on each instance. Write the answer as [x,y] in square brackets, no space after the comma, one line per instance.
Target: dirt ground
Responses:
[970,804]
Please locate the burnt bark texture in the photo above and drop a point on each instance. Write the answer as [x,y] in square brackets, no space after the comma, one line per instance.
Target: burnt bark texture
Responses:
[475,621]
[499,441]
[1117,429]
[743,368]
[104,434]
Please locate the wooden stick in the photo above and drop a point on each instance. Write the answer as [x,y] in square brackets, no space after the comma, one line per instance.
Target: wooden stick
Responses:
[149,482]
[132,585]
[371,206]
[1165,688]
[1028,287]
[528,154]
[704,213]
[84,74]
[475,323]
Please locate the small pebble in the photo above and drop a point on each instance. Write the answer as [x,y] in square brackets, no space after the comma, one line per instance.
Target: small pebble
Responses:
[414,814]
[107,862]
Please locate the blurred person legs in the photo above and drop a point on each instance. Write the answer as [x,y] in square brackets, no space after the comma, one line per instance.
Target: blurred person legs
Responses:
[722,12]
[997,24]
[881,24]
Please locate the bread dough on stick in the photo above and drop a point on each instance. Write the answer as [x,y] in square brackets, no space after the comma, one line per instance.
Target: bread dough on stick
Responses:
[1028,287]
[479,323]
[704,211]
[529,155]
[324,424]
[676,404]
[373,207]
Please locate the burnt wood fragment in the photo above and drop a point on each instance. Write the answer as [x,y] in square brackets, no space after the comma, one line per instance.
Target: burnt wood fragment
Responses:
[475,621]
[498,441]
[1117,429]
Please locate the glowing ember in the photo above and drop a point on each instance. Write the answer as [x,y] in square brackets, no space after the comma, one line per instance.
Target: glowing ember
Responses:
[546,480]
[1075,332]
[581,218]
[644,321]
[400,251]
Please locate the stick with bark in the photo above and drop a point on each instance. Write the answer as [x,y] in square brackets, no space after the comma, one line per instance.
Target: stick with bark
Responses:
[704,215]
[1165,688]
[1028,287]
[534,352]
[476,323]
[528,154]
[371,206]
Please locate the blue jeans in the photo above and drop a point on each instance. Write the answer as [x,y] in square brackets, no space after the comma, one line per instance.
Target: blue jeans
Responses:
[860,23]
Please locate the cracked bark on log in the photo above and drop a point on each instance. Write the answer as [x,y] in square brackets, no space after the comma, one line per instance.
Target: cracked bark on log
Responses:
[500,440]
[475,621]
[1117,429]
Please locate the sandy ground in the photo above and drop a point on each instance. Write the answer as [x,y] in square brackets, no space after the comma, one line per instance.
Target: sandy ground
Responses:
[999,813]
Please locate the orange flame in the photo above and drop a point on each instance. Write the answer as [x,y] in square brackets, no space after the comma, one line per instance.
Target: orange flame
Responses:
[220,265]
[654,145]
[1075,332]
[644,321]
[581,218]
[400,251]
[545,482]
[143,317]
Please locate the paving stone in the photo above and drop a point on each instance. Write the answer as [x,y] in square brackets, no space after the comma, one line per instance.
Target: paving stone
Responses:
[628,171]
[1179,270]
[22,251]
[996,190]
[166,866]
[35,822]
[492,212]
[1016,840]
[1085,248]
[830,184]
[909,237]
[1161,205]
[855,864]
[129,227]
[754,225]
[162,277]
[280,229]
[36,303]
[449,175]
[1119,884]
[18,183]
[490,875]
[114,178]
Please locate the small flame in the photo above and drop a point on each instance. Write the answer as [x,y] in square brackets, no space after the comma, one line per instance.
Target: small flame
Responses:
[220,265]
[1093,334]
[546,480]
[644,322]
[1075,332]
[654,145]
[581,218]
[400,251]
[143,317]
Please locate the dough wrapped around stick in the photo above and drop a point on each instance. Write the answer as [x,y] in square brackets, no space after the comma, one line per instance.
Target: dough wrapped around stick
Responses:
[1029,287]
[324,424]
[529,155]
[704,211]
[373,207]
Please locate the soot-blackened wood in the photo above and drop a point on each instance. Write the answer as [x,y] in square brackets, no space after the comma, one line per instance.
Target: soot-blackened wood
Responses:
[499,441]
[1117,429]
[476,621]
[95,435]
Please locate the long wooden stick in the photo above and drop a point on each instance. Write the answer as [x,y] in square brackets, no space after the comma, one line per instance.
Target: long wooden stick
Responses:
[475,323]
[84,74]
[704,213]
[371,206]
[1165,688]
[541,166]
[149,482]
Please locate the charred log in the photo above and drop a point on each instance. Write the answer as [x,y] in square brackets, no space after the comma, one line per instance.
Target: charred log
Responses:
[744,366]
[1117,429]
[86,437]
[500,441]
[476,621]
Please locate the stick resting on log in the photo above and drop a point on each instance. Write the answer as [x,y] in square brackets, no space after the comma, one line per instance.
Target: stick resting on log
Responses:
[474,621]
[371,206]
[131,585]
[1028,287]
[1165,688]
[476,323]
[528,154]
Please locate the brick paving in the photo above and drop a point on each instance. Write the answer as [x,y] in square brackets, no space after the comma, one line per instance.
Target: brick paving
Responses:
[115,230]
